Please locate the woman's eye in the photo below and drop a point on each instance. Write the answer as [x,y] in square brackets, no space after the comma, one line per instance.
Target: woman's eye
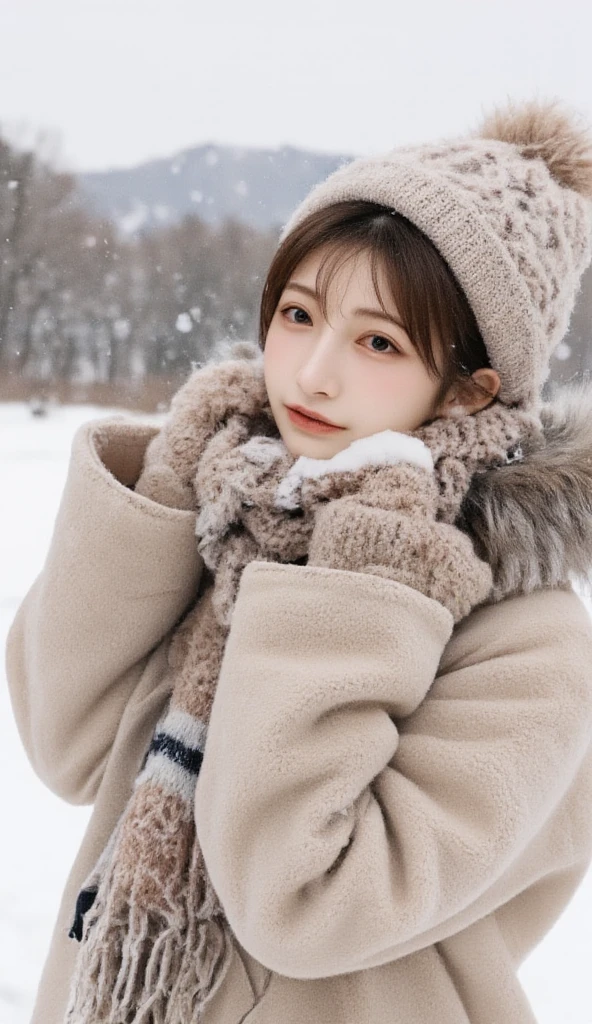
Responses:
[386,342]
[298,309]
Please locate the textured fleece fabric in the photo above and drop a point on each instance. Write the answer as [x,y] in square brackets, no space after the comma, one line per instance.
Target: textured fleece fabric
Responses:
[394,810]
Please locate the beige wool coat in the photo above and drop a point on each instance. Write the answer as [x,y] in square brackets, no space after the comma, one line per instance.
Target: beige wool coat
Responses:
[466,753]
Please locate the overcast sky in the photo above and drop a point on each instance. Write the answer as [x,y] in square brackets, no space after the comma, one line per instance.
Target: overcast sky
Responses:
[117,82]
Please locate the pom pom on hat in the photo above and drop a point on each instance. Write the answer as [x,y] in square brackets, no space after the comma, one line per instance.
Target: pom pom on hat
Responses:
[545,130]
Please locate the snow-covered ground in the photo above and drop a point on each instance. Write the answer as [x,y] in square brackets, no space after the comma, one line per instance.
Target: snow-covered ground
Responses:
[41,833]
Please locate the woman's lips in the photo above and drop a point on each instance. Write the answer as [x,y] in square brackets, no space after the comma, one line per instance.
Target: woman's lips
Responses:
[315,426]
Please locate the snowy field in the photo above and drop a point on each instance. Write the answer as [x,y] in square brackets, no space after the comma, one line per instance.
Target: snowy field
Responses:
[41,833]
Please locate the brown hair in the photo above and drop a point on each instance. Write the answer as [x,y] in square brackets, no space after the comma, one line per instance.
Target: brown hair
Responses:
[426,292]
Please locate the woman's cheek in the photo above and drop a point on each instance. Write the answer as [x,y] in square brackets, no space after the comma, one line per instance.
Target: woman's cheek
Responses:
[380,383]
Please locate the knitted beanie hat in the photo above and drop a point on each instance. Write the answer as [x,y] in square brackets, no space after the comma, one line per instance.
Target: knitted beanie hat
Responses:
[509,207]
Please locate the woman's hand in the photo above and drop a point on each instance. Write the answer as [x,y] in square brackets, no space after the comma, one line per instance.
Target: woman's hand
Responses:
[214,393]
[310,481]
[389,528]
[377,507]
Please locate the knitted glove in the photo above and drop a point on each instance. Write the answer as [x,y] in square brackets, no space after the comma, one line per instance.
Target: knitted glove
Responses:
[209,397]
[380,504]
[390,529]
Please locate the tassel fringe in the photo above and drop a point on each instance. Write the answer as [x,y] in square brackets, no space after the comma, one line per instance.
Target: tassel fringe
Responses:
[146,966]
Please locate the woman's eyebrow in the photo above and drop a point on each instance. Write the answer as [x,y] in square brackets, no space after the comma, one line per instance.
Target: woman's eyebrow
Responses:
[361,311]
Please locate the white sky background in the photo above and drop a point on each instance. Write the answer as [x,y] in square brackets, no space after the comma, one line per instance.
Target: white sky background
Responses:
[118,82]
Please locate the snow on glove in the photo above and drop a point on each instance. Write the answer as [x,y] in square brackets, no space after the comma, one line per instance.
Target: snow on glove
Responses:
[377,503]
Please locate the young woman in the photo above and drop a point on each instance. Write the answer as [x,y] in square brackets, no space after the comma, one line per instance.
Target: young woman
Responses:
[375,629]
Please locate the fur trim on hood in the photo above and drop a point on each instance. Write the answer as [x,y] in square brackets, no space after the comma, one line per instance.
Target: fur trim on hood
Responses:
[532,518]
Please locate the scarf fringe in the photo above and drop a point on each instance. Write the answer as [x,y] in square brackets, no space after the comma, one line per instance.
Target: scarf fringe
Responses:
[145,966]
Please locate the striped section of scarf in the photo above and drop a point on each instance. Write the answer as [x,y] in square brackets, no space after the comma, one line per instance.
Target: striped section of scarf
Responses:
[173,760]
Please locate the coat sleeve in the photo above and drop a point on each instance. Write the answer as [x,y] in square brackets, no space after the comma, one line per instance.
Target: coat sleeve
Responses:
[119,572]
[354,804]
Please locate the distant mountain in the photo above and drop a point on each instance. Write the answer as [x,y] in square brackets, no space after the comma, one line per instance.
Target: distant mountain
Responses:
[260,187]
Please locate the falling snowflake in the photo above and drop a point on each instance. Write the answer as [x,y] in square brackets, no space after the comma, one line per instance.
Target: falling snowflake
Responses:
[136,217]
[196,313]
[177,163]
[562,352]
[196,195]
[121,329]
[183,323]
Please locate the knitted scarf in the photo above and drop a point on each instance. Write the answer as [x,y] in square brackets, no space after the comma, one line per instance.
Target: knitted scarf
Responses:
[155,944]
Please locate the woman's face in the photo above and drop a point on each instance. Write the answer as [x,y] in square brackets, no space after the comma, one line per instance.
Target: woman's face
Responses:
[355,368]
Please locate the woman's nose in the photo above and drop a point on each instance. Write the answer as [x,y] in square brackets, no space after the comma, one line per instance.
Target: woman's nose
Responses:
[318,371]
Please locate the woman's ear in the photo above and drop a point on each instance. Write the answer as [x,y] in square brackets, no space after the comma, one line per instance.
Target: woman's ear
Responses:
[463,399]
